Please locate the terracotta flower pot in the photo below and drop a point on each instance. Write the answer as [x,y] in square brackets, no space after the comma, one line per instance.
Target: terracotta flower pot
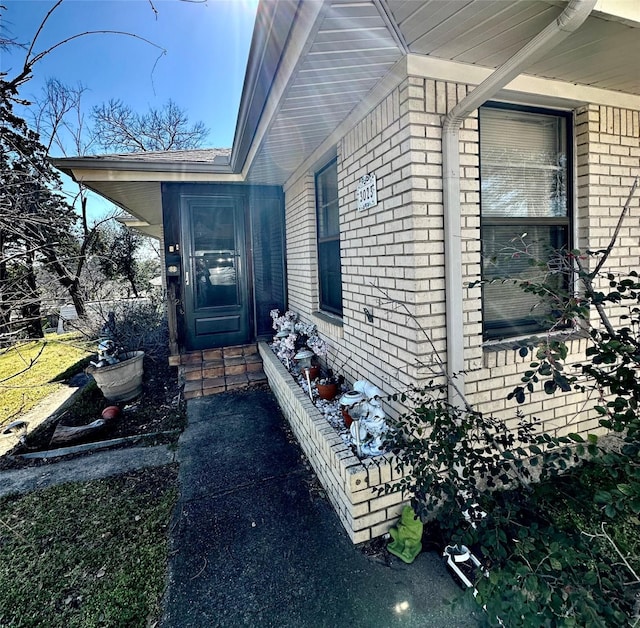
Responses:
[314,372]
[327,391]
[110,413]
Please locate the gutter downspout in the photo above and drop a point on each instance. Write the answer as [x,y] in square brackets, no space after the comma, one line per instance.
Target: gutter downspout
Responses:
[574,15]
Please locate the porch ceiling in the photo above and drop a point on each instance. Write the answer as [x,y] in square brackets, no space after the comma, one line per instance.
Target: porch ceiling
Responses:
[356,44]
[602,53]
[353,48]
[142,199]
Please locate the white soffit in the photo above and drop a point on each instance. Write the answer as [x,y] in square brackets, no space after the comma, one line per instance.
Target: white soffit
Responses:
[355,47]
[602,53]
[141,199]
[352,50]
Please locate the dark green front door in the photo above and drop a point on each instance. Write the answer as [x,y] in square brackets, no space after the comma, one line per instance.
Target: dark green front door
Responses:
[216,292]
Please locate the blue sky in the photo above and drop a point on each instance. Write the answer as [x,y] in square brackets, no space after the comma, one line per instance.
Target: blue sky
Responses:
[203,69]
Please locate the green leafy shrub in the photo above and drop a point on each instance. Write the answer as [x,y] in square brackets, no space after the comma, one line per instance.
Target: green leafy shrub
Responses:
[563,551]
[550,563]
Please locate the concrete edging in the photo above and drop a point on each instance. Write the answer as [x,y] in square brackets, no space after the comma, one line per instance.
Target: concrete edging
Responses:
[49,454]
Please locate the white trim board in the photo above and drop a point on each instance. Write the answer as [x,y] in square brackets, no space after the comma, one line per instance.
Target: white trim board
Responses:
[82,175]
[560,93]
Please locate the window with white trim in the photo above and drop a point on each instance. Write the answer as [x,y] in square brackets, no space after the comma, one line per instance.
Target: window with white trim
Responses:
[329,269]
[525,170]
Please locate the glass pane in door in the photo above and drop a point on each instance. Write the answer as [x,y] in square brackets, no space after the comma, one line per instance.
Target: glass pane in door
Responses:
[215,256]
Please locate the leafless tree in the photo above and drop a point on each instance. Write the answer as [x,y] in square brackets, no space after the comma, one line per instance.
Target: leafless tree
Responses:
[59,119]
[36,223]
[120,129]
[40,234]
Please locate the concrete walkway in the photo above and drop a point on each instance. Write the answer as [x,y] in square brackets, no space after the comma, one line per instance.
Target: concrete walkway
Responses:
[254,544]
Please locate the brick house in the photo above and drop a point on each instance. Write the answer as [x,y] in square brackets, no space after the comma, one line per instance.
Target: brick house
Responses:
[480,121]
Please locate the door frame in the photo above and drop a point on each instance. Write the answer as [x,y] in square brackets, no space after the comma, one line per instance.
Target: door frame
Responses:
[256,212]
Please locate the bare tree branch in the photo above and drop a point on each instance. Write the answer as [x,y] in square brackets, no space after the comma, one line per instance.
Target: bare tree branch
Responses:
[9,88]
[625,211]
[120,129]
[29,365]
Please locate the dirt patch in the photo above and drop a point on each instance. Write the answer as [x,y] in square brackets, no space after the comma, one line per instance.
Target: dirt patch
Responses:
[376,551]
[160,408]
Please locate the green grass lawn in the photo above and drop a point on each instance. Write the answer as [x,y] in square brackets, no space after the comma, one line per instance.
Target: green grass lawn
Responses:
[28,371]
[87,554]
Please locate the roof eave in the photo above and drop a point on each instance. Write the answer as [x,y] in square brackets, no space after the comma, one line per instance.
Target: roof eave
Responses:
[69,164]
[142,226]
[274,22]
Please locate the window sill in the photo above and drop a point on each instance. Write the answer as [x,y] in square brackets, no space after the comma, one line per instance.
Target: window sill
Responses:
[505,352]
[517,342]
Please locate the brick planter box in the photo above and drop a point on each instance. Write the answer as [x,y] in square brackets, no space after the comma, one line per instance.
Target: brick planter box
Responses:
[348,481]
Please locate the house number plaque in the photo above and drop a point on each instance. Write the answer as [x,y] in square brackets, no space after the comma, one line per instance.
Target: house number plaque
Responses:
[367,192]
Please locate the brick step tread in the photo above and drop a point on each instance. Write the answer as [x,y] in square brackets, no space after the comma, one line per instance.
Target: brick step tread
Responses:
[212,371]
[215,385]
[231,355]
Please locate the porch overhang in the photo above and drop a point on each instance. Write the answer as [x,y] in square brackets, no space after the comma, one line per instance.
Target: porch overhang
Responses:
[133,181]
[342,56]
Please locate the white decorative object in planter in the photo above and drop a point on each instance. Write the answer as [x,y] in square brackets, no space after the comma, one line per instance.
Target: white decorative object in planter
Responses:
[366,418]
[121,381]
[371,427]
